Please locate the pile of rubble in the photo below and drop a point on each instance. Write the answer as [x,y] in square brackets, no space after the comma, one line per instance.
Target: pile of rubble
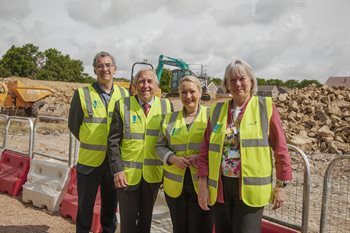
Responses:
[317,119]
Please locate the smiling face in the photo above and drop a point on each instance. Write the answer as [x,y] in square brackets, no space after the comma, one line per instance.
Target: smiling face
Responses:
[146,85]
[189,95]
[105,69]
[240,86]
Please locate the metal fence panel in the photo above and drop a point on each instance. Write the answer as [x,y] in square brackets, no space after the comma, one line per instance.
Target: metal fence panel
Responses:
[335,213]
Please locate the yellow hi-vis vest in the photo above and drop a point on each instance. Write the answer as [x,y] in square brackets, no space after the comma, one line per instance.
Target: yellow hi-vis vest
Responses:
[183,142]
[94,129]
[256,157]
[140,136]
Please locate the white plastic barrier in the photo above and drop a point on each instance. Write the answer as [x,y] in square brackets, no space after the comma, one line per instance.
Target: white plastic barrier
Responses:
[46,184]
[49,172]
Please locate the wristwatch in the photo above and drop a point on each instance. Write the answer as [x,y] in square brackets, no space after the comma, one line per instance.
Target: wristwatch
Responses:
[281,184]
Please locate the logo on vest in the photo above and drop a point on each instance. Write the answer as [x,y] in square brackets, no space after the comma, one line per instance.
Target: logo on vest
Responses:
[134,117]
[94,103]
[217,127]
[175,131]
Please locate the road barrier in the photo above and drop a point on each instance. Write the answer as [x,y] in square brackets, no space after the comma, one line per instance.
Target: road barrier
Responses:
[47,179]
[14,164]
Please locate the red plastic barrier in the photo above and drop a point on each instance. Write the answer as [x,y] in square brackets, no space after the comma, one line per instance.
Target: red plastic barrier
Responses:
[270,227]
[69,205]
[14,169]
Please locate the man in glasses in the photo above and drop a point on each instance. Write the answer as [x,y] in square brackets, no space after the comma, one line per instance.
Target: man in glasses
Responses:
[89,121]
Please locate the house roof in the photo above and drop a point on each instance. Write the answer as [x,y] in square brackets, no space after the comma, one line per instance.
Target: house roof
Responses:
[266,88]
[338,81]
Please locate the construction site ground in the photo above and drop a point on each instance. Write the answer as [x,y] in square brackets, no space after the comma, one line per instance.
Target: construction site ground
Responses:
[18,217]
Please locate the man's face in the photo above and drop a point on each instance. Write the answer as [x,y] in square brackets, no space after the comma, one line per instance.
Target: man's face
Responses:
[104,69]
[146,86]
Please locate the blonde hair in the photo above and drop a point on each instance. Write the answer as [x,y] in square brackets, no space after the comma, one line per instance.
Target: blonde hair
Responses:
[193,79]
[235,69]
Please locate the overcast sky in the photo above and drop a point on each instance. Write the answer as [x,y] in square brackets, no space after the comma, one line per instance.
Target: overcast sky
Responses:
[283,39]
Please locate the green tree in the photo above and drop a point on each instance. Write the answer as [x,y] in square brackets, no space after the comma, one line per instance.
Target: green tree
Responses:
[275,82]
[165,80]
[216,81]
[4,72]
[261,81]
[306,82]
[58,67]
[291,83]
[21,61]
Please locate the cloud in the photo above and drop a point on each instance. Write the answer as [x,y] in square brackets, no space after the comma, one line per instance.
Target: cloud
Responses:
[14,10]
[267,11]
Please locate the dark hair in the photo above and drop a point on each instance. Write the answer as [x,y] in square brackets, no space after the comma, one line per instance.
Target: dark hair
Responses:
[103,54]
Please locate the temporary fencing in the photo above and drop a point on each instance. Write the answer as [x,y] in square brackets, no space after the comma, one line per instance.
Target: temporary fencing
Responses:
[335,213]
[14,163]
[50,167]
[295,211]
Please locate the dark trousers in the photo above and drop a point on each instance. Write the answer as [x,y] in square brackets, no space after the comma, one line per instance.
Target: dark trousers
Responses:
[186,215]
[136,207]
[87,185]
[234,216]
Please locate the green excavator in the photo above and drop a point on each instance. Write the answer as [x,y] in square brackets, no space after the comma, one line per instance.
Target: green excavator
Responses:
[177,74]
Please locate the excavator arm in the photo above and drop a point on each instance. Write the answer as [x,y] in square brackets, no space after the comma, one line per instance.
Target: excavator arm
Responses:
[165,60]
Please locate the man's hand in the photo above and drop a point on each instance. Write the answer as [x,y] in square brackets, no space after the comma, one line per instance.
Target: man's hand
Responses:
[120,180]
[203,193]
[279,197]
[180,162]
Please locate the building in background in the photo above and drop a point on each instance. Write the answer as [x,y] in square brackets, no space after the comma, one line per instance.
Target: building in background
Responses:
[338,81]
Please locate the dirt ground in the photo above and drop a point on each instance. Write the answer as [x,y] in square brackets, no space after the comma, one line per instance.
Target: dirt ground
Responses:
[18,217]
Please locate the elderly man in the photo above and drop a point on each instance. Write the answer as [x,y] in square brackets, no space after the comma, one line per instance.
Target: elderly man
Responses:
[137,169]
[89,120]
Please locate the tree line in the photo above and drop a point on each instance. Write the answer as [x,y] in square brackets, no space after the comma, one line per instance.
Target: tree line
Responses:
[51,64]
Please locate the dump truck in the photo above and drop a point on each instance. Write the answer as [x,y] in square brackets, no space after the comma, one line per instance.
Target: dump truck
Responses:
[16,98]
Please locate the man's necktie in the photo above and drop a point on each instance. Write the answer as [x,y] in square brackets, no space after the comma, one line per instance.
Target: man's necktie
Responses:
[146,108]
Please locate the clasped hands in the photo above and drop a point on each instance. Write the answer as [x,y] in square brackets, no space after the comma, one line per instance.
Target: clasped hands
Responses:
[183,162]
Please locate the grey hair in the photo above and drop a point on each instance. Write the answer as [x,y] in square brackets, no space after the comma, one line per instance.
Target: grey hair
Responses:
[193,79]
[234,69]
[103,54]
[138,74]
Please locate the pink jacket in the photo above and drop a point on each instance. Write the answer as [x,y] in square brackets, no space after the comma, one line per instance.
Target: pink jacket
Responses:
[277,141]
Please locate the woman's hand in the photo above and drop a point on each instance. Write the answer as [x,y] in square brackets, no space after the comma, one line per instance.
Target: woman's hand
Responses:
[279,196]
[193,160]
[180,162]
[120,180]
[203,193]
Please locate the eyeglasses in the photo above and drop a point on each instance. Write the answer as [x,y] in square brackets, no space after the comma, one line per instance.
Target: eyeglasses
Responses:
[102,66]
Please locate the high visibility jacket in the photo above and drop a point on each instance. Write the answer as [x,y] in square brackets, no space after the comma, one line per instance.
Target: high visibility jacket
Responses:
[95,126]
[256,157]
[140,134]
[183,142]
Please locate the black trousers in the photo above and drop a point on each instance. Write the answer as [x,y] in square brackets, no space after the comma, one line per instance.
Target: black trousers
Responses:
[136,207]
[186,214]
[87,185]
[234,216]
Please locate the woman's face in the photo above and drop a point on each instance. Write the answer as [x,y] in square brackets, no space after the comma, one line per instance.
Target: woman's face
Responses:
[240,86]
[189,95]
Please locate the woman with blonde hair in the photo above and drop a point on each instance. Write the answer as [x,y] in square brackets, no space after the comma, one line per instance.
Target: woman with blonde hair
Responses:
[178,146]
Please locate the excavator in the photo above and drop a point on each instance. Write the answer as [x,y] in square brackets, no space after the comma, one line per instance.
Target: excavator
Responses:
[178,74]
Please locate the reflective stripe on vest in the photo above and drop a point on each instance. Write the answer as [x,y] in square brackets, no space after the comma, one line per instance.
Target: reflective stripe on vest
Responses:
[183,142]
[95,124]
[256,177]
[140,135]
